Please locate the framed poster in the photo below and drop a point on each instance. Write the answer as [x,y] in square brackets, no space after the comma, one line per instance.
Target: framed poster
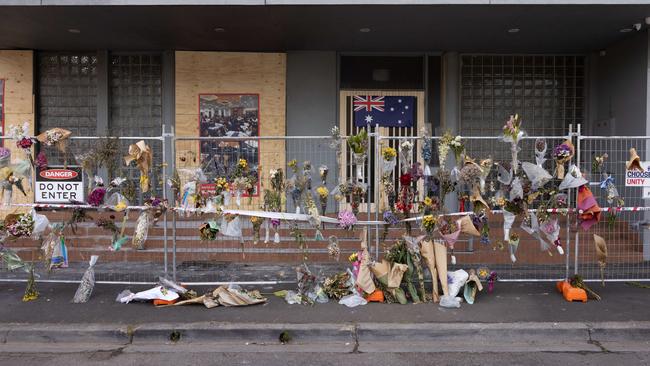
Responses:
[229,115]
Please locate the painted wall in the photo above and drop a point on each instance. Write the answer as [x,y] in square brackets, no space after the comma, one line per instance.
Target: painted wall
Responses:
[238,73]
[620,83]
[16,68]
[311,110]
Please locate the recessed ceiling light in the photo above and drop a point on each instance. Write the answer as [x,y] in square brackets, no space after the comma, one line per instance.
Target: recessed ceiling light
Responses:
[74,30]
[219,29]
[625,30]
[513,30]
[364,30]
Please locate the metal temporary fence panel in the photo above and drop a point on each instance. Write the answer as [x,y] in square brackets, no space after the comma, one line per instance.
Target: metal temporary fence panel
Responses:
[127,265]
[625,232]
[226,257]
[532,263]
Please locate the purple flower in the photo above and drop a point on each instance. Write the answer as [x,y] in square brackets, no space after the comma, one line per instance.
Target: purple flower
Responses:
[4,153]
[96,197]
[390,218]
[275,223]
[416,172]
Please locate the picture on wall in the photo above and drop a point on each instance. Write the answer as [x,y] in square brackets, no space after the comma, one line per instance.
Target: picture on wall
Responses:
[229,115]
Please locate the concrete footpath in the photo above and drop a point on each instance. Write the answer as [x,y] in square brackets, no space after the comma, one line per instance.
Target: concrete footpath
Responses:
[517,317]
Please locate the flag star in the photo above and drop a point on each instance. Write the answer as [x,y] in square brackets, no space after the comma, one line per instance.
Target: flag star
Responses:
[402,112]
[368,118]
[399,101]
[406,107]
[399,121]
[392,109]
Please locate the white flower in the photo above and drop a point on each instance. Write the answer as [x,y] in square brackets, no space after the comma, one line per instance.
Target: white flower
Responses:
[406,145]
[117,181]
[99,181]
[273,173]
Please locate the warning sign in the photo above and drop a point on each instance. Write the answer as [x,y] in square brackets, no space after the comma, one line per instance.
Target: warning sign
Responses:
[59,186]
[635,178]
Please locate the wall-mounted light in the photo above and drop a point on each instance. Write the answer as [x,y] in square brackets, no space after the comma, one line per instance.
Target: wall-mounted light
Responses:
[364,30]
[74,30]
[513,30]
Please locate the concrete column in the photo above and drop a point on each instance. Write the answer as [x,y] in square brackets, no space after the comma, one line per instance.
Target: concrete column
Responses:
[450,108]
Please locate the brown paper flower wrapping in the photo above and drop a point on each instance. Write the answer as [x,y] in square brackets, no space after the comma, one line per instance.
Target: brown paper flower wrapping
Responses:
[141,154]
[601,255]
[427,253]
[635,161]
[467,226]
[61,143]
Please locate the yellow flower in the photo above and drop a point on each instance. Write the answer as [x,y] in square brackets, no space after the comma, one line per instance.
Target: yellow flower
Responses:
[428,201]
[388,153]
[121,206]
[293,163]
[353,257]
[322,191]
[243,163]
[221,183]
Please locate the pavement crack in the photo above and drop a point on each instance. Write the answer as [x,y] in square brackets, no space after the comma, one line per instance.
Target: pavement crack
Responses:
[594,342]
[355,334]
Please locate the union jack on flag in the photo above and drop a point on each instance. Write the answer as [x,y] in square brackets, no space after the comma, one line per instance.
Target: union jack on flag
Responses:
[368,102]
[384,111]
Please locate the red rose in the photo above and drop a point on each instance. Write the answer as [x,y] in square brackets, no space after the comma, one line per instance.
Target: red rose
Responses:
[405,179]
[25,143]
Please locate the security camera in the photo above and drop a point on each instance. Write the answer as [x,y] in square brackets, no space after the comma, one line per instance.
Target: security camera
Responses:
[637,26]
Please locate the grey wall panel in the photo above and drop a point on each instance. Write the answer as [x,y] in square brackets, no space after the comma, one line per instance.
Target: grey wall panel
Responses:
[312,110]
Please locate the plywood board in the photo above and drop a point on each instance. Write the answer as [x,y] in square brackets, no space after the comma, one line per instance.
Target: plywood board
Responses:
[236,73]
[16,67]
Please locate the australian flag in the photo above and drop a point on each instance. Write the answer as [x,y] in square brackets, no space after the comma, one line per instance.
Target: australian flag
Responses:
[386,111]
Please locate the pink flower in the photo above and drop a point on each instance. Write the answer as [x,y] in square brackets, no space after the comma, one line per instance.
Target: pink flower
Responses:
[347,219]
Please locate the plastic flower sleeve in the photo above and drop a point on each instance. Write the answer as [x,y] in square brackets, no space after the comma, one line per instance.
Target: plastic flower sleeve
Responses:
[540,152]
[508,221]
[516,190]
[5,157]
[87,284]
[551,229]
[141,229]
[533,229]
[41,223]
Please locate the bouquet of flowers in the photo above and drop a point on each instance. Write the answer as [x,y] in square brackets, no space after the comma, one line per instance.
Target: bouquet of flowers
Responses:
[427,151]
[429,223]
[444,182]
[96,196]
[540,152]
[209,230]
[5,157]
[357,191]
[449,230]
[513,133]
[513,241]
[390,219]
[145,220]
[470,175]
[406,154]
[141,154]
[449,142]
[56,137]
[347,219]
[322,171]
[338,285]
[306,173]
[23,140]
[607,184]
[359,144]
[333,249]
[7,183]
[221,189]
[388,155]
[562,154]
[19,225]
[323,195]
[406,196]
[257,224]
[389,189]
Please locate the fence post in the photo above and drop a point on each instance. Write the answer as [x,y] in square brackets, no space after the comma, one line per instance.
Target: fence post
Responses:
[577,235]
[378,174]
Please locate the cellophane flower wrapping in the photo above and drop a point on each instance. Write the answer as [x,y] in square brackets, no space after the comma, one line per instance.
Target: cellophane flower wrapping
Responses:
[85,289]
[145,220]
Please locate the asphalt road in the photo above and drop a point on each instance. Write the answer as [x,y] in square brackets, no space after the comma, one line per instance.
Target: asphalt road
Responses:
[334,359]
